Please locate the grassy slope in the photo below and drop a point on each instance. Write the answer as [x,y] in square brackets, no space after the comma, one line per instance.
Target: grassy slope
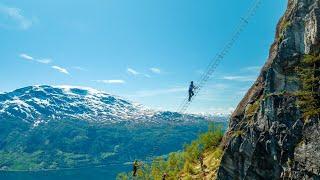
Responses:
[186,165]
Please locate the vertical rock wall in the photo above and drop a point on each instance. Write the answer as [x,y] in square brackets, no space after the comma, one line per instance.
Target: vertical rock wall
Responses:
[267,138]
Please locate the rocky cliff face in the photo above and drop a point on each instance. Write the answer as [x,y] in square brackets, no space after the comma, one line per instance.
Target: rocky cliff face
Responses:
[268,136]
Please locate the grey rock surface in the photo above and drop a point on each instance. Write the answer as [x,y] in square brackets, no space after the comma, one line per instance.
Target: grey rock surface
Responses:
[267,137]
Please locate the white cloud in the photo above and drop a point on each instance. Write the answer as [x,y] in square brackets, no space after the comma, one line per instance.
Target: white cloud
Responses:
[44,61]
[240,78]
[132,71]
[16,15]
[111,81]
[60,69]
[155,70]
[30,58]
[26,56]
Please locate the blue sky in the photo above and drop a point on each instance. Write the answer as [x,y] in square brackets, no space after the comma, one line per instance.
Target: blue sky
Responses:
[146,50]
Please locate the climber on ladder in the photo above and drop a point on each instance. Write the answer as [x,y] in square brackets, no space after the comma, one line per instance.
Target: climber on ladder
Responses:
[164,176]
[135,168]
[191,90]
[200,158]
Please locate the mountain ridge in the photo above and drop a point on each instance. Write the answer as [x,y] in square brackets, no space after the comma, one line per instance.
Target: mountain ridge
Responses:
[43,102]
[58,102]
[46,127]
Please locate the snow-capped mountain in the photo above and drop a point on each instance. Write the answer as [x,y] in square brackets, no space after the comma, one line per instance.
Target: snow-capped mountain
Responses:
[72,127]
[65,102]
[37,104]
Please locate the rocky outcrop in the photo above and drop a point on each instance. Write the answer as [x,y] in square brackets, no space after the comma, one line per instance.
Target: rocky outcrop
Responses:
[267,136]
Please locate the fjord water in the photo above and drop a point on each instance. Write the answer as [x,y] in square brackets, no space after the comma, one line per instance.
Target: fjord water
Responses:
[101,173]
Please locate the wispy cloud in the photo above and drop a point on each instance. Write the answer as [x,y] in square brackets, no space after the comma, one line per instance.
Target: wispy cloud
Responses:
[44,61]
[132,71]
[30,58]
[26,57]
[240,78]
[60,69]
[155,70]
[15,14]
[111,81]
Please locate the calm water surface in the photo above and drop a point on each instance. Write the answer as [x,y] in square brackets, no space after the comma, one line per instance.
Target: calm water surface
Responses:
[102,173]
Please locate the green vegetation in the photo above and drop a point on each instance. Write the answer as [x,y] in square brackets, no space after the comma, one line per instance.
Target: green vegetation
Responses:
[309,95]
[252,108]
[238,133]
[281,93]
[78,144]
[185,164]
[284,24]
[38,160]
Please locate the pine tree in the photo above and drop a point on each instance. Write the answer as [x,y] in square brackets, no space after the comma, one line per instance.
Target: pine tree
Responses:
[309,95]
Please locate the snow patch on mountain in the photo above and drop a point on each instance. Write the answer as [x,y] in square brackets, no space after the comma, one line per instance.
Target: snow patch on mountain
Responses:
[40,104]
[64,102]
[33,103]
[69,89]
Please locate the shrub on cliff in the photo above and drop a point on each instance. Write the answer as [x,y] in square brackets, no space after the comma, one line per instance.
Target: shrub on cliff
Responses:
[309,95]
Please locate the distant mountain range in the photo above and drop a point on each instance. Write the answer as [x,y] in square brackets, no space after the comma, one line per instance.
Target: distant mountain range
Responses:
[36,104]
[53,127]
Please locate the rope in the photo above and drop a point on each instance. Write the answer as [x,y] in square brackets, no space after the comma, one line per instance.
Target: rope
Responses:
[183,107]
[220,56]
